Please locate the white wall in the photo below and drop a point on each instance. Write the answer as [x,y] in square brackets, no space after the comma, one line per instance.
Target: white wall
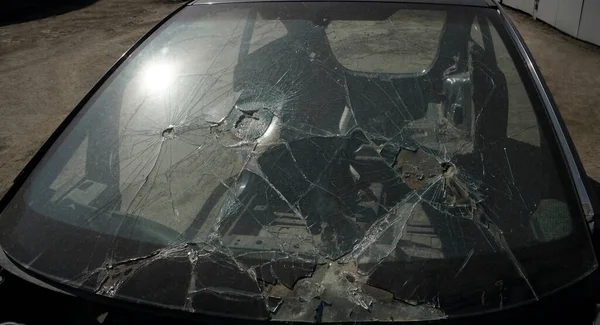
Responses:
[547,11]
[589,27]
[578,18]
[524,5]
[569,15]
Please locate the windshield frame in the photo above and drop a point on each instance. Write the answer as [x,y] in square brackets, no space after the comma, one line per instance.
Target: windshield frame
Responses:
[529,73]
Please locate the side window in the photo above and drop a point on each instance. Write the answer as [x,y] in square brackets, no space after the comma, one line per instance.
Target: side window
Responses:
[522,121]
[265,32]
[476,35]
[72,173]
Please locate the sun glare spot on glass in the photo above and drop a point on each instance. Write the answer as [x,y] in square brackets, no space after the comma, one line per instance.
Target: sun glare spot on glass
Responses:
[158,76]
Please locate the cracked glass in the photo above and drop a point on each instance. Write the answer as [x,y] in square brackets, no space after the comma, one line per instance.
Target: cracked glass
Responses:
[313,162]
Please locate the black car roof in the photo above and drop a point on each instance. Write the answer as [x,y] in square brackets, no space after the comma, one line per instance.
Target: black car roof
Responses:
[475,3]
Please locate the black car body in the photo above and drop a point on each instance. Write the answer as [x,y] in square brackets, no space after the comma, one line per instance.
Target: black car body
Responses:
[311,162]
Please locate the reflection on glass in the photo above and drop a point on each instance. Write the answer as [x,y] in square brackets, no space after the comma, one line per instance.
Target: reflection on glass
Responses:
[158,76]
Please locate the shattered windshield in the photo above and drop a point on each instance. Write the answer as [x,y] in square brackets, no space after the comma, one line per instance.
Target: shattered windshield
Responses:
[315,162]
